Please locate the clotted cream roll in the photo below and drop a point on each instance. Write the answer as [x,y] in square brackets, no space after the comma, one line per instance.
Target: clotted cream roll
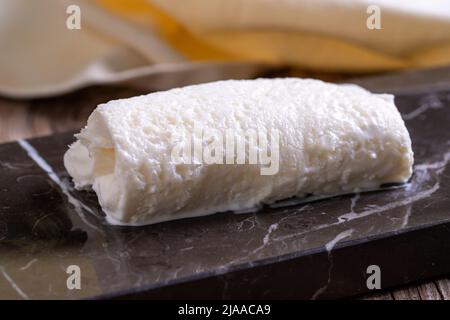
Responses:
[234,145]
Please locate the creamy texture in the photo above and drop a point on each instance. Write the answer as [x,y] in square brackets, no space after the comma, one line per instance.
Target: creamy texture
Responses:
[332,139]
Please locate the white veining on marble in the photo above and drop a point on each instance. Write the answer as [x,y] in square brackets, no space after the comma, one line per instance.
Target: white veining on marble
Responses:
[331,244]
[421,171]
[250,220]
[435,165]
[353,201]
[13,166]
[177,271]
[295,201]
[406,217]
[13,284]
[421,174]
[329,247]
[29,264]
[78,205]
[272,228]
[430,102]
[391,205]
[36,223]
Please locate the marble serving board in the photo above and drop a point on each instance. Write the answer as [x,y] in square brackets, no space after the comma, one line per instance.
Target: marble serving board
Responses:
[315,250]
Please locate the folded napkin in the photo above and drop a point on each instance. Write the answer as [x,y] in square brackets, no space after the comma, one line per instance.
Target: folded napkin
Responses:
[147,39]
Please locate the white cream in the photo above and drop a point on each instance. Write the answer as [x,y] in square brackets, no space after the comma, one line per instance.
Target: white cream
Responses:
[333,139]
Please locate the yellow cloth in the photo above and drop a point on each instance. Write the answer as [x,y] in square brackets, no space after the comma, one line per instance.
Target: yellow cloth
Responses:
[125,39]
[327,35]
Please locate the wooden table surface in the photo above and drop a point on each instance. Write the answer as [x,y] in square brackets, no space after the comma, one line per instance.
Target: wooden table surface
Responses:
[39,117]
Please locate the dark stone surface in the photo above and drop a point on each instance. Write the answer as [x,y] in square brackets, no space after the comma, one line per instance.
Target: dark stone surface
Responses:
[316,250]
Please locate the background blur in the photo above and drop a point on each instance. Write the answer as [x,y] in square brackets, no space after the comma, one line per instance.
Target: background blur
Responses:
[50,47]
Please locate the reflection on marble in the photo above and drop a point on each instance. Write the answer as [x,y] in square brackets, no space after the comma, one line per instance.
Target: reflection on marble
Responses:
[45,225]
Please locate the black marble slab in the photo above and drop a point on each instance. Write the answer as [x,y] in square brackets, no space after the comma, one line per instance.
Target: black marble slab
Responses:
[315,250]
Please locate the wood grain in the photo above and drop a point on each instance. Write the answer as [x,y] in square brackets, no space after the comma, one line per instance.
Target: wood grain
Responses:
[444,288]
[31,118]
[25,119]
[406,293]
[429,291]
